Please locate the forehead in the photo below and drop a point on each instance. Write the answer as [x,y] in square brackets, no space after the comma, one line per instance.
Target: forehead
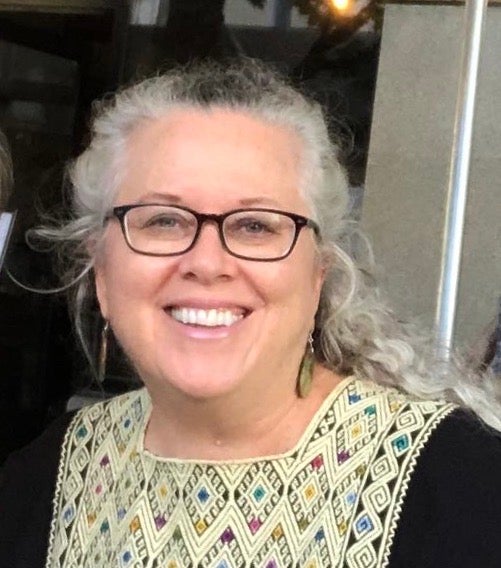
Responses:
[216,156]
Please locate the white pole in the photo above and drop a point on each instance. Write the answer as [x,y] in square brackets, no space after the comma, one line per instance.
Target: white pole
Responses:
[144,12]
[279,13]
[458,179]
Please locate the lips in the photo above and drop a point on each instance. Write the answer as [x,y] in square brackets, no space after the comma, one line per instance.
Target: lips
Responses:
[212,317]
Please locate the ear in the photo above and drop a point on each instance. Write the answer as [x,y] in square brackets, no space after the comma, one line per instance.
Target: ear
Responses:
[321,270]
[101,288]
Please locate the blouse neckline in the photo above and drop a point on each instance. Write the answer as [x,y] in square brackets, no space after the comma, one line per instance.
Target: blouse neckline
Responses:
[294,451]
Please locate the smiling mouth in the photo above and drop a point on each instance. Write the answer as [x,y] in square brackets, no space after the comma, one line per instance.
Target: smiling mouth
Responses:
[214,317]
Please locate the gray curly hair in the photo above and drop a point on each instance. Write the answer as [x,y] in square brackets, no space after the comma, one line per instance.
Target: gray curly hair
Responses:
[356,333]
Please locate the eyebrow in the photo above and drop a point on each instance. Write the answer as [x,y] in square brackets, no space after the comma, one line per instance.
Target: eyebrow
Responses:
[250,201]
[157,196]
[173,198]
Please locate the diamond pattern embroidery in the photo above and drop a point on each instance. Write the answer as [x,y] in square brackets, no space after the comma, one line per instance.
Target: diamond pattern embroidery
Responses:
[333,503]
[163,493]
[205,497]
[308,492]
[258,494]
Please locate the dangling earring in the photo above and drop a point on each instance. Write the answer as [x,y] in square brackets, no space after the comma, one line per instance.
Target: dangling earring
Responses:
[305,376]
[103,351]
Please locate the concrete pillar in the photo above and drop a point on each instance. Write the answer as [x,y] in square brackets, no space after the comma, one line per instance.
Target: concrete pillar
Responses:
[406,184]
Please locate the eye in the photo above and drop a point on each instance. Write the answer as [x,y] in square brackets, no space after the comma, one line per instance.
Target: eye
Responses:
[254,226]
[161,221]
[164,221]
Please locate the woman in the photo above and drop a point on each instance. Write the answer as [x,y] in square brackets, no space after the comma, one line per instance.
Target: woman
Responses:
[287,419]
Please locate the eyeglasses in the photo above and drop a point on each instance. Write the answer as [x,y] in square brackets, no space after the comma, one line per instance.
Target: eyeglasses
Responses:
[250,234]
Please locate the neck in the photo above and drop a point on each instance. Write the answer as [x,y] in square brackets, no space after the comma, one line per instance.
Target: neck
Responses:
[267,421]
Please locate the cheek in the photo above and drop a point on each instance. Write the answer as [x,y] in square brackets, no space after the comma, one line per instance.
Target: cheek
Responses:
[124,280]
[311,286]
[294,289]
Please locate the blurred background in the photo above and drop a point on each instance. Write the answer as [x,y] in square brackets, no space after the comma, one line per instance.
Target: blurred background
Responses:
[58,56]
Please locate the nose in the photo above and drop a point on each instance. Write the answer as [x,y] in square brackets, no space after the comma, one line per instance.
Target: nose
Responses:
[208,261]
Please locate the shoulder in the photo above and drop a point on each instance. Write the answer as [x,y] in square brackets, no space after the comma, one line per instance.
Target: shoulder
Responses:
[96,419]
[29,477]
[452,510]
[462,454]
[39,456]
[27,482]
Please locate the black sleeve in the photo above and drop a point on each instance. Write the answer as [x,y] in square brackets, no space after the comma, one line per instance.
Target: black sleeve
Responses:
[27,483]
[451,517]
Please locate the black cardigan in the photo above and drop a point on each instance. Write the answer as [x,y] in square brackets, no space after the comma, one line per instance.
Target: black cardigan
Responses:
[451,516]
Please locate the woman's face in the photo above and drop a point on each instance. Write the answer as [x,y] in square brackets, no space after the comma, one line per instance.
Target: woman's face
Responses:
[211,162]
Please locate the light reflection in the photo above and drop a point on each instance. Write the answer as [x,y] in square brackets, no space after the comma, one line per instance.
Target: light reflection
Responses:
[341,5]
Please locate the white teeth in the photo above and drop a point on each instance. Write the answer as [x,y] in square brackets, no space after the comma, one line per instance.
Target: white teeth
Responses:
[211,317]
[208,318]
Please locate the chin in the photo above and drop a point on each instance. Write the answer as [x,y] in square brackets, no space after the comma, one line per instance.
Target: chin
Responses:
[201,382]
[203,388]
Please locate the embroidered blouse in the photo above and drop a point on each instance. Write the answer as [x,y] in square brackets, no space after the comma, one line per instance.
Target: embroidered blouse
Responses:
[336,499]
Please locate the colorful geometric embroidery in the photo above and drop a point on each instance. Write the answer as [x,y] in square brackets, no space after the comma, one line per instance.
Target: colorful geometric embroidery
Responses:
[334,501]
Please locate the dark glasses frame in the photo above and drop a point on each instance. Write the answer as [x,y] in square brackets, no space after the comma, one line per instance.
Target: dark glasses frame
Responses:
[300,223]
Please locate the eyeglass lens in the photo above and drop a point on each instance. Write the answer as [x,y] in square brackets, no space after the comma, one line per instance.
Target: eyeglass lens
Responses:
[166,230]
